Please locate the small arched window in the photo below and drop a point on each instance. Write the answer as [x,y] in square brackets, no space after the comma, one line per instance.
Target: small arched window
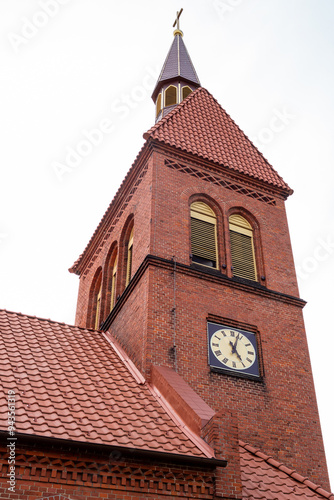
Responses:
[242,248]
[129,259]
[185,92]
[203,235]
[170,96]
[113,283]
[159,104]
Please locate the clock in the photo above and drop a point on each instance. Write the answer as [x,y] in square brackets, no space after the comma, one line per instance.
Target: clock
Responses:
[233,351]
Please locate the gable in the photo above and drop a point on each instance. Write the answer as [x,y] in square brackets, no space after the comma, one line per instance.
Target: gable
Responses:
[200,126]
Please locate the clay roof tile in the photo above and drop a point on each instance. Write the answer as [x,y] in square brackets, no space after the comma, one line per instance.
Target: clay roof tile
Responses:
[209,132]
[265,478]
[81,390]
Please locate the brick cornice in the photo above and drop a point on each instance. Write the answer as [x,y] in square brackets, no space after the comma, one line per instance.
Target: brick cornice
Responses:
[212,276]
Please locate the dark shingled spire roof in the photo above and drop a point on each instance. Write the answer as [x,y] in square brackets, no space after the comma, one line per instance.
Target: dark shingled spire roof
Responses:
[177,65]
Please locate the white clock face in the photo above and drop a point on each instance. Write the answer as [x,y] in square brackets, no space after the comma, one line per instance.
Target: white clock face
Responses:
[233,349]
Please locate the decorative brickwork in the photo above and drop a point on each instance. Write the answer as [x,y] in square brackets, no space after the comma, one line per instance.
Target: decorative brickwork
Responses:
[77,475]
[220,181]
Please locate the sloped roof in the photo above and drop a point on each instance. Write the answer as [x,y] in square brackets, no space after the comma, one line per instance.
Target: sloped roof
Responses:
[199,125]
[266,479]
[177,65]
[75,384]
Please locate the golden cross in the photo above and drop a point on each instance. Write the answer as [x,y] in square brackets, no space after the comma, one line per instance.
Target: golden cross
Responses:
[177,20]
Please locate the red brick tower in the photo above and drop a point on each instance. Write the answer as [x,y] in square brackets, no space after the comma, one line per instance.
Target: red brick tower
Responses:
[191,268]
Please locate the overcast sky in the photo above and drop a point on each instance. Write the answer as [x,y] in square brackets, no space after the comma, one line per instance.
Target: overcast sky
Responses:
[69,67]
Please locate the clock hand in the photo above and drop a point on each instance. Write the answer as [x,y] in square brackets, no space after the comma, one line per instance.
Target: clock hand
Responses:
[236,352]
[234,348]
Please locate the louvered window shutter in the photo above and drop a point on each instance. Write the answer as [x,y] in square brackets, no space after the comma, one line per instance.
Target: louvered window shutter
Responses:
[170,96]
[242,248]
[203,235]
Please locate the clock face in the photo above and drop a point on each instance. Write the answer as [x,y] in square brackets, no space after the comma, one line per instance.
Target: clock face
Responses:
[233,350]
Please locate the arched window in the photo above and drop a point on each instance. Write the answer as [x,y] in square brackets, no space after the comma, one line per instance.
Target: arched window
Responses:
[185,92]
[170,96]
[159,104]
[95,295]
[98,308]
[242,248]
[203,235]
[129,258]
[113,283]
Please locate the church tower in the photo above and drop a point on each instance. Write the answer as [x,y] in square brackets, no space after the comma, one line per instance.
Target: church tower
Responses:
[191,268]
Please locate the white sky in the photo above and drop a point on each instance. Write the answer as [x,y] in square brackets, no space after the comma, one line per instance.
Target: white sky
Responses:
[89,61]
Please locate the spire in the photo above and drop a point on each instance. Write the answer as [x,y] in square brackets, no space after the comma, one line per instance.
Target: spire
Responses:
[178,77]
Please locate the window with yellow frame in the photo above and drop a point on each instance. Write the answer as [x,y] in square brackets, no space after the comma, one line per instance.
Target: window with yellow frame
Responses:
[242,248]
[204,247]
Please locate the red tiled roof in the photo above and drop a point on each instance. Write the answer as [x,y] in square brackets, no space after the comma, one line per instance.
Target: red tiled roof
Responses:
[266,479]
[199,125]
[72,383]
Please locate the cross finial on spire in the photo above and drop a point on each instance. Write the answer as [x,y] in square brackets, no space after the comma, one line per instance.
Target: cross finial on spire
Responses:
[177,20]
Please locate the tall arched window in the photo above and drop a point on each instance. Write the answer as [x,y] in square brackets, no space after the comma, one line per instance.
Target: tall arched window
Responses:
[98,308]
[170,96]
[203,235]
[129,258]
[242,248]
[95,296]
[113,283]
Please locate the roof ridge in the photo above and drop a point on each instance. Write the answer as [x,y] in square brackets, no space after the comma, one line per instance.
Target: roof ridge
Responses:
[127,361]
[48,320]
[287,470]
